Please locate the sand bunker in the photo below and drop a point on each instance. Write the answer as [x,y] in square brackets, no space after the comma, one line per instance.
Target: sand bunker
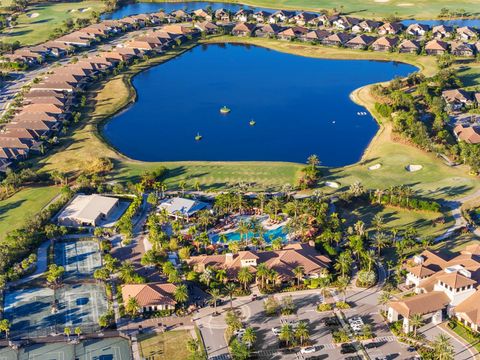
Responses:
[405,4]
[33,15]
[381,1]
[72,10]
[375,167]
[85,10]
[332,184]
[413,168]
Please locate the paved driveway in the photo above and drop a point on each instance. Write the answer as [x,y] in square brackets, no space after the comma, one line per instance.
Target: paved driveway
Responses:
[462,352]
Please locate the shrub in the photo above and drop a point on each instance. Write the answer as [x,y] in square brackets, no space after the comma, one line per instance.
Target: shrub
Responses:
[340,336]
[324,307]
[342,305]
[271,306]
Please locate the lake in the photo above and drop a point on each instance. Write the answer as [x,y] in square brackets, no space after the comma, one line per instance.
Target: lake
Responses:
[301,106]
[143,8]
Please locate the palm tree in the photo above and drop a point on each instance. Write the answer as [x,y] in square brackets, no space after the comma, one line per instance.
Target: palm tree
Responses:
[378,222]
[5,327]
[378,195]
[249,337]
[323,285]
[261,200]
[443,348]
[277,244]
[381,241]
[415,322]
[342,285]
[221,275]
[78,332]
[384,298]
[215,294]
[286,333]
[230,290]
[182,185]
[262,272]
[298,272]
[244,229]
[245,277]
[181,294]
[344,261]
[132,307]
[301,332]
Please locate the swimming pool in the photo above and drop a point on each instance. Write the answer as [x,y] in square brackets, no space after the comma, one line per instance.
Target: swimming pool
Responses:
[268,236]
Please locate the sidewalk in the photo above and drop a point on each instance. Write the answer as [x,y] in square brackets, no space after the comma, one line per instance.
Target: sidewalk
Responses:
[41,266]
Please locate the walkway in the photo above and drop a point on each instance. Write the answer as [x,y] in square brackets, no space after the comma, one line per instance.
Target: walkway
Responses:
[40,267]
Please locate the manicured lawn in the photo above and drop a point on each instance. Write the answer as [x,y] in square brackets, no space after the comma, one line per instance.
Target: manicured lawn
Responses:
[171,345]
[37,24]
[467,336]
[398,218]
[18,208]
[470,75]
[419,9]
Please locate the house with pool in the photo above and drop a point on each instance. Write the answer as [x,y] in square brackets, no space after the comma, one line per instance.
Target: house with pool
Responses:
[444,288]
[282,261]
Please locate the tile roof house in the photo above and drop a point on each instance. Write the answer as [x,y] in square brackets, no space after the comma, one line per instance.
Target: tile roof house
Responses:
[261,16]
[467,33]
[200,13]
[281,16]
[390,28]
[417,29]
[345,22]
[456,99]
[151,296]
[409,46]
[366,26]
[385,43]
[282,261]
[436,47]
[222,15]
[461,49]
[303,18]
[444,287]
[181,207]
[268,30]
[243,29]
[317,35]
[469,134]
[294,32]
[442,31]
[337,39]
[243,15]
[207,27]
[360,42]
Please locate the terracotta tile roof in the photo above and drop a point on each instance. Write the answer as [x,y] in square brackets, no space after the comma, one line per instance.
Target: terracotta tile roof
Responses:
[150,294]
[469,309]
[420,271]
[421,304]
[436,45]
[469,134]
[455,280]
[42,108]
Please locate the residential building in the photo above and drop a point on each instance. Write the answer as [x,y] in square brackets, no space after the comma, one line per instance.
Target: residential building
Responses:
[436,47]
[151,297]
[181,207]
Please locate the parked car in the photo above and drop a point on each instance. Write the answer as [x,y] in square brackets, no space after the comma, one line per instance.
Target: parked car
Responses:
[254,297]
[371,345]
[355,357]
[347,348]
[308,350]
[333,321]
[276,331]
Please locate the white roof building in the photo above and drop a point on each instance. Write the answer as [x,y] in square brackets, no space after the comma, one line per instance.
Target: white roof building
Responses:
[87,210]
[182,207]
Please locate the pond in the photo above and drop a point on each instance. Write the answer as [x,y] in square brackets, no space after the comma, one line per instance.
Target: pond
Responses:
[300,105]
[143,8]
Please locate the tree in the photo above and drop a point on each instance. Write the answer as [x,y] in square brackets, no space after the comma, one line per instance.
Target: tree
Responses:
[5,327]
[301,332]
[344,262]
[381,241]
[67,331]
[342,285]
[415,322]
[78,331]
[230,290]
[245,277]
[132,307]
[384,299]
[262,272]
[239,350]
[443,348]
[286,334]
[181,294]
[152,199]
[221,275]
[249,337]
[215,294]
[298,272]
[54,273]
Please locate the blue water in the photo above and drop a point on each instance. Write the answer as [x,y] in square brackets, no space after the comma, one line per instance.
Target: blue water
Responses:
[301,107]
[143,8]
[268,236]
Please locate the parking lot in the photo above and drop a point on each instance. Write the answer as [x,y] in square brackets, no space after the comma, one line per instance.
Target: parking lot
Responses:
[267,344]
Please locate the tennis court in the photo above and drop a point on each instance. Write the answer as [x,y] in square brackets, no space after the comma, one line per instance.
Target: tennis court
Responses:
[105,349]
[81,305]
[30,310]
[79,258]
[56,351]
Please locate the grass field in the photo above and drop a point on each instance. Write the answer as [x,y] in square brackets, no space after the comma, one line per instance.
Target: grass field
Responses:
[37,24]
[397,218]
[418,9]
[171,345]
[16,209]
[470,76]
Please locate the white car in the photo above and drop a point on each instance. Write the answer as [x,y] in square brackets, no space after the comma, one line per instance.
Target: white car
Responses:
[308,350]
[276,331]
[239,332]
